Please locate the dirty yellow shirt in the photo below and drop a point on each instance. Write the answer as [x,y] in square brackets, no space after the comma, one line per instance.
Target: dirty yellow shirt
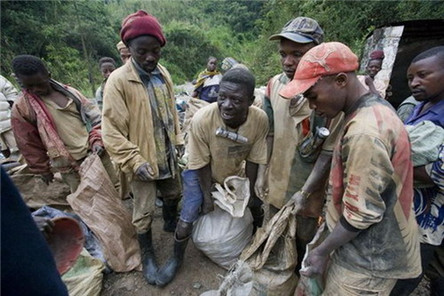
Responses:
[225,156]
[287,173]
[70,127]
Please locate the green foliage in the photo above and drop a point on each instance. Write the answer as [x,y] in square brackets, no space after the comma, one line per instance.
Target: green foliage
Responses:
[71,36]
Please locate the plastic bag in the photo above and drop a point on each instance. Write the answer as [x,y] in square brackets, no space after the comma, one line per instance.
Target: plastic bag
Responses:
[266,266]
[85,277]
[222,237]
[233,197]
[313,286]
[98,204]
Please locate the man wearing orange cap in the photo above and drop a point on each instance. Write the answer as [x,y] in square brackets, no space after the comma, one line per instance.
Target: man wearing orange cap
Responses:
[291,125]
[372,237]
[141,130]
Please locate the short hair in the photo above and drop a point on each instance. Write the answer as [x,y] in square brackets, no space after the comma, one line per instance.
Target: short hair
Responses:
[211,58]
[27,65]
[437,51]
[107,60]
[241,76]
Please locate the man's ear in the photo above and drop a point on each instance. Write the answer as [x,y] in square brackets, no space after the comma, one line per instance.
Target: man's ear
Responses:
[341,79]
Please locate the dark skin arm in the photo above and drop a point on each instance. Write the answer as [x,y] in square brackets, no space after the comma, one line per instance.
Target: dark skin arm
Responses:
[317,177]
[317,259]
[205,185]
[251,170]
[259,187]
[420,174]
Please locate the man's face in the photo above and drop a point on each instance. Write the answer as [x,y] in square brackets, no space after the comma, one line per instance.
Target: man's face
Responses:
[326,97]
[145,50]
[125,55]
[291,53]
[426,79]
[107,69]
[212,65]
[37,83]
[233,102]
[373,67]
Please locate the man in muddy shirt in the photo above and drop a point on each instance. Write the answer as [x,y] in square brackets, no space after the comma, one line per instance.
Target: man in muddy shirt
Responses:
[372,236]
[212,158]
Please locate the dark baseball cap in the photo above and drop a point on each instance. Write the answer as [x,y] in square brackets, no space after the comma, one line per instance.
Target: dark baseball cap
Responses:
[301,30]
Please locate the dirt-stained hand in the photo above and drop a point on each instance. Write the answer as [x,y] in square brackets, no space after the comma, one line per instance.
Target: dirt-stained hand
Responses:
[314,264]
[299,201]
[145,172]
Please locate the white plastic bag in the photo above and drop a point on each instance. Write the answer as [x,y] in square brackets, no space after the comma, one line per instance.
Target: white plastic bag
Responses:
[233,197]
[222,237]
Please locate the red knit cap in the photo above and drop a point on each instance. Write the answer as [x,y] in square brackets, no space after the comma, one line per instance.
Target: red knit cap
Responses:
[141,23]
[377,55]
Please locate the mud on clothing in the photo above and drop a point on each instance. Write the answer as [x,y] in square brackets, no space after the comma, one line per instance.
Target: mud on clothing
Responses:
[225,156]
[140,124]
[289,124]
[371,191]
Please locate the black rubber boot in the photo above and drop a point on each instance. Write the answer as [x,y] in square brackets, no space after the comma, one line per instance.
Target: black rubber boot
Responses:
[150,268]
[169,213]
[169,270]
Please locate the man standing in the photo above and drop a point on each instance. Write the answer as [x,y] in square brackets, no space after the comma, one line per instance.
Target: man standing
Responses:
[54,125]
[425,76]
[222,137]
[207,84]
[373,238]
[141,129]
[124,52]
[8,95]
[290,173]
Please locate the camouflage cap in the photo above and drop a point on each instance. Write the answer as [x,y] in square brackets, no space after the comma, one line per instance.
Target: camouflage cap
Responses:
[301,30]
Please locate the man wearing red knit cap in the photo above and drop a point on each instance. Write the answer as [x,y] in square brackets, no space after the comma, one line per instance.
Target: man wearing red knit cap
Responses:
[141,130]
[372,236]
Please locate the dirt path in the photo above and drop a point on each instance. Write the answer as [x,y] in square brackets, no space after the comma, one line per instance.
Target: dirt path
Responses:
[197,275]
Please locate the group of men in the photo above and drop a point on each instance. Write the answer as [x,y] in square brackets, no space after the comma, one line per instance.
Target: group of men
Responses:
[360,167]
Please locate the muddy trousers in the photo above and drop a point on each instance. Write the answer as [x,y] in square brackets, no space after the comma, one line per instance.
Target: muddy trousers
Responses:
[144,199]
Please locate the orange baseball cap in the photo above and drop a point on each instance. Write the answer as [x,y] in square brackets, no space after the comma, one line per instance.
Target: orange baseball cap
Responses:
[322,60]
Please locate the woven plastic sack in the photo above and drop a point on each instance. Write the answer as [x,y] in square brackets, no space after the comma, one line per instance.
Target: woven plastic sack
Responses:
[85,277]
[222,237]
[233,197]
[98,204]
[266,266]
[272,255]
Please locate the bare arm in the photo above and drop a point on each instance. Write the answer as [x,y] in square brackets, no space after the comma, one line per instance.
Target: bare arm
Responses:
[317,259]
[420,174]
[314,183]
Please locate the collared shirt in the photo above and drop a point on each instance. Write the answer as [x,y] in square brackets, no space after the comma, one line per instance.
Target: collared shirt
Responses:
[434,114]
[162,120]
